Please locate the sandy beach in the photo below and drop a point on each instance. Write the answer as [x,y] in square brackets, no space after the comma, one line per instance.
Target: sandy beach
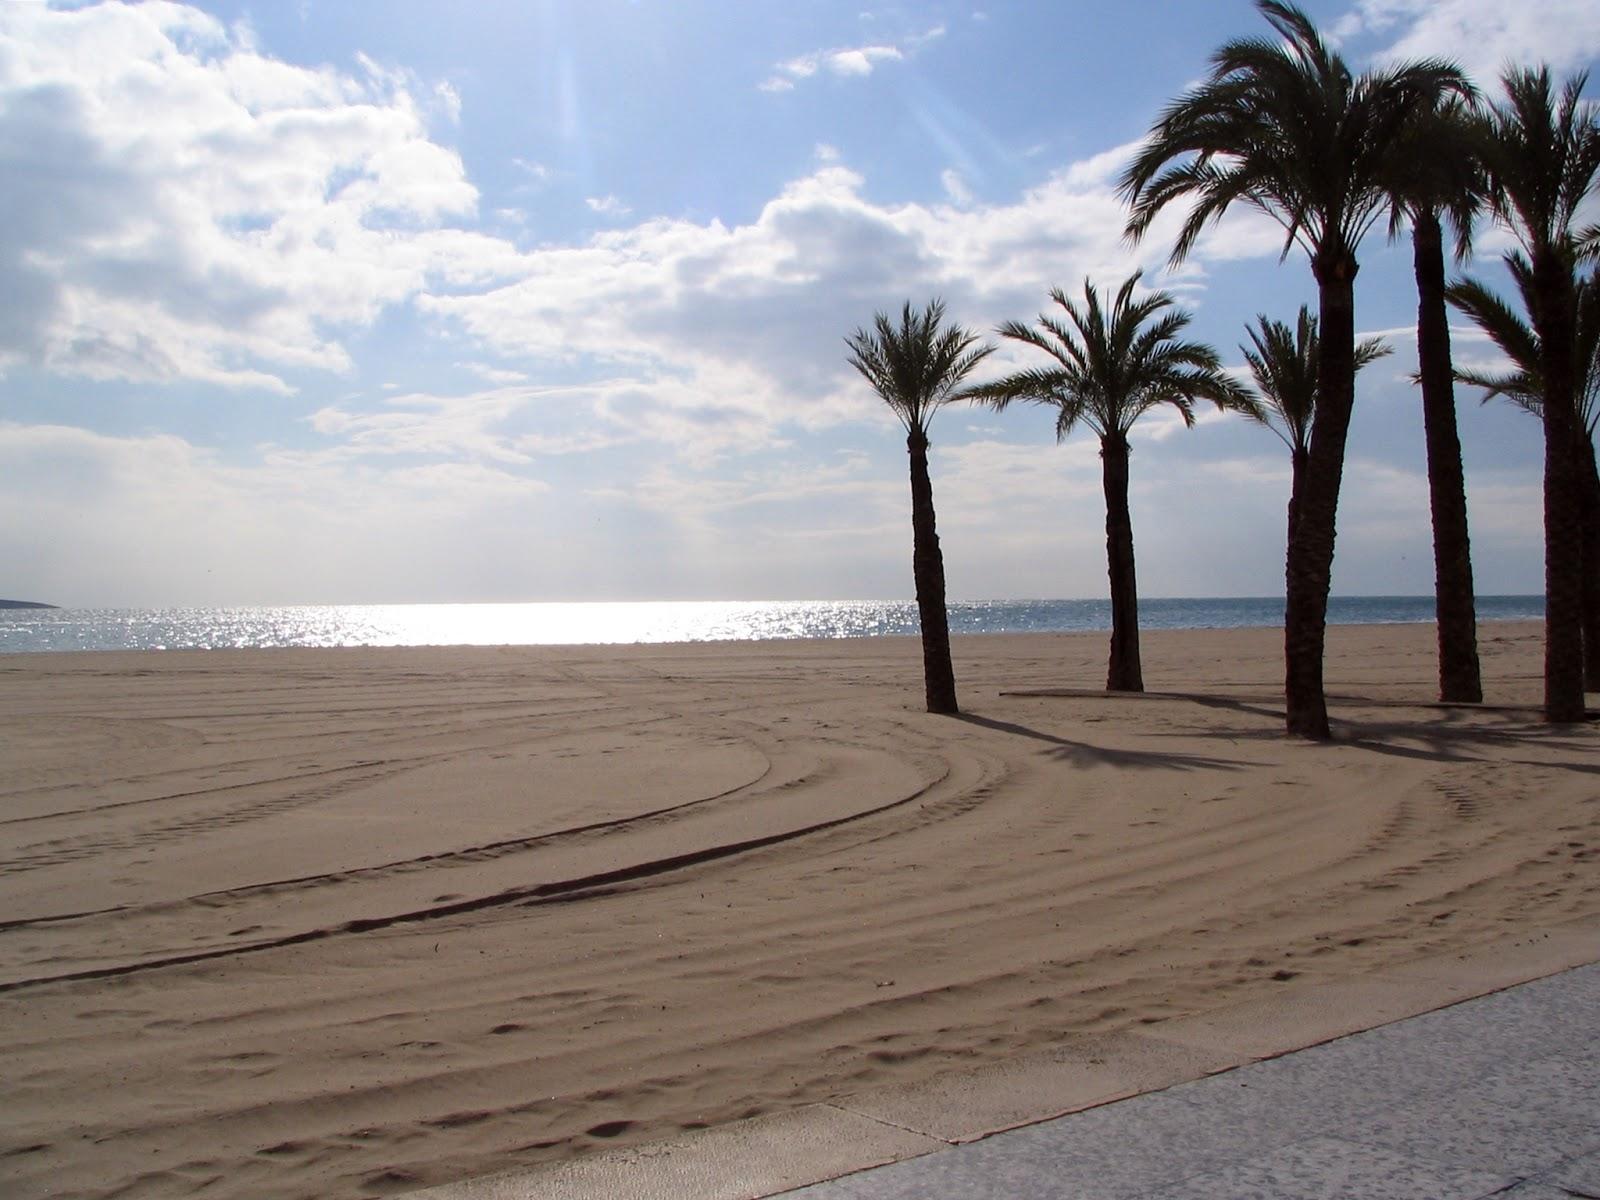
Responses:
[344,923]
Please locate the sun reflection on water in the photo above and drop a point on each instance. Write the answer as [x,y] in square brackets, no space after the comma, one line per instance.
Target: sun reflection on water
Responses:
[625,622]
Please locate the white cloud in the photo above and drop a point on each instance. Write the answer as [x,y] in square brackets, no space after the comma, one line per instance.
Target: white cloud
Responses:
[272,206]
[1051,515]
[608,206]
[493,374]
[1484,35]
[452,428]
[537,174]
[861,60]
[845,61]
[448,100]
[181,207]
[955,187]
[720,337]
[700,500]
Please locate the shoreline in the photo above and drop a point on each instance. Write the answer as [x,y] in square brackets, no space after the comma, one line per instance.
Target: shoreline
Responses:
[653,623]
[385,920]
[771,642]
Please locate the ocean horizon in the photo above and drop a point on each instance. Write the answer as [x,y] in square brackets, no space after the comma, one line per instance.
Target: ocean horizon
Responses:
[648,622]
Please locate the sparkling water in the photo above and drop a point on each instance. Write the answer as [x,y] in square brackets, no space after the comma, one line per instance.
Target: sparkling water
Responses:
[656,621]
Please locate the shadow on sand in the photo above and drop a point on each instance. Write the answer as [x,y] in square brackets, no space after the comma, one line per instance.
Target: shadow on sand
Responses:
[1446,737]
[1085,754]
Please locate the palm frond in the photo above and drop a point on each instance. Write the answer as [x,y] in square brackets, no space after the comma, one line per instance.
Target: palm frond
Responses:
[1588,243]
[1113,363]
[1505,327]
[1040,386]
[1515,336]
[917,367]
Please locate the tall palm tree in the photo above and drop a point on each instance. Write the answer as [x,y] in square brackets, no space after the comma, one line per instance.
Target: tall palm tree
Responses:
[1523,386]
[917,368]
[1435,175]
[1542,155]
[1287,128]
[1112,367]
[1284,364]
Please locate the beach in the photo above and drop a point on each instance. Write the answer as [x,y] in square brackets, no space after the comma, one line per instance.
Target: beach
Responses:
[334,923]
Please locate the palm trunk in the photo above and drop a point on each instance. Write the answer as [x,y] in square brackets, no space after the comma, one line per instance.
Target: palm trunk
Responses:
[927,566]
[1563,526]
[1124,674]
[1297,480]
[1298,457]
[1589,486]
[1310,566]
[1454,607]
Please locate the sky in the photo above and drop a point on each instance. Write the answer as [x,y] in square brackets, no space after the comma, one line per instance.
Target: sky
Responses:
[381,301]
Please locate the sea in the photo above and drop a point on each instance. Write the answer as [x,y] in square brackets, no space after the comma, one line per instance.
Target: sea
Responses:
[54,629]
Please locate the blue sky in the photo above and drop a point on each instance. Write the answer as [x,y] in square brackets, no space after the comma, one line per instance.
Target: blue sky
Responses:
[399,301]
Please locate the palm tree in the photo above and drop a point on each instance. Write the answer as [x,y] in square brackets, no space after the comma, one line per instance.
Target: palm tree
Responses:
[1523,386]
[917,369]
[1286,128]
[1284,364]
[1110,369]
[1436,175]
[1542,155]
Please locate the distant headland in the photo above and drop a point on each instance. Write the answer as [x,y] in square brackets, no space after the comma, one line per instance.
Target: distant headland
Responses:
[23,604]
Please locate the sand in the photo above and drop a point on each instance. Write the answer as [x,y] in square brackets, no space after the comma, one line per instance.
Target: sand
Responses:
[352,922]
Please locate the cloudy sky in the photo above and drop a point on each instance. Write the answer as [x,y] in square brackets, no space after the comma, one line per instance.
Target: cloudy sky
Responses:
[385,300]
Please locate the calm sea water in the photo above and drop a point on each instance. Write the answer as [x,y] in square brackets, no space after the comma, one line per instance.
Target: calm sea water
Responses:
[687,621]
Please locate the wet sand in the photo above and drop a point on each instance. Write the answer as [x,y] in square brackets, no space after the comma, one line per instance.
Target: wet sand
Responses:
[352,922]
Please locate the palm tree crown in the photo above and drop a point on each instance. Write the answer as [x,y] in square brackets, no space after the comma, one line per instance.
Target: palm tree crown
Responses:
[1284,364]
[1287,128]
[1433,169]
[1113,367]
[1542,154]
[918,367]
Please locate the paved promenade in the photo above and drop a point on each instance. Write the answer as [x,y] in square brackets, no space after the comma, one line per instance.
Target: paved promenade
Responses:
[1498,1096]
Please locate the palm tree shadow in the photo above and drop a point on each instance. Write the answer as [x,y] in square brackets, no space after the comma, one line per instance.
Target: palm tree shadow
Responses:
[1084,754]
[1254,706]
[1435,742]
[1234,705]
[1444,739]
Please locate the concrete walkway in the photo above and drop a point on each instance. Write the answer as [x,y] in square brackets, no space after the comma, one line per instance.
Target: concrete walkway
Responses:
[1498,1095]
